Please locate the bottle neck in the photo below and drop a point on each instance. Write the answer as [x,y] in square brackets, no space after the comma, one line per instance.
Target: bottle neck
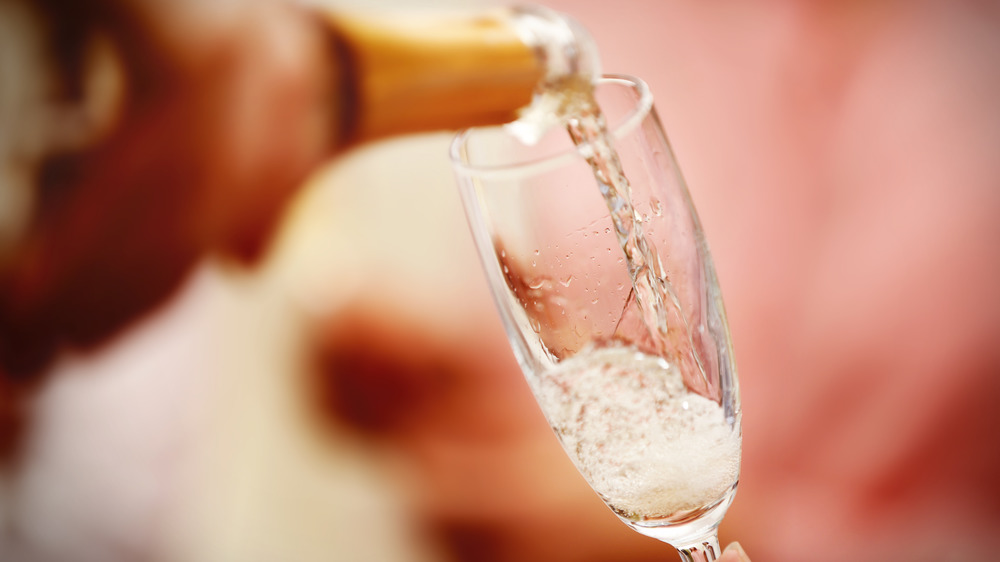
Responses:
[405,74]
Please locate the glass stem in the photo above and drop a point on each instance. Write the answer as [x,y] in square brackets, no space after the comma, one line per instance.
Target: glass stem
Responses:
[705,549]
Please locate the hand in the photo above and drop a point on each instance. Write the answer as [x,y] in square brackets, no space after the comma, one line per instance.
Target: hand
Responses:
[219,114]
[734,553]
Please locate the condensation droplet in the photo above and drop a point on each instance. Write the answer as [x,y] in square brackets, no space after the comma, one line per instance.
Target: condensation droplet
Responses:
[657,207]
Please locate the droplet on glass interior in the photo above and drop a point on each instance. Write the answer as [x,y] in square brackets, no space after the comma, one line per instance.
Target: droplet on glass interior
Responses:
[657,207]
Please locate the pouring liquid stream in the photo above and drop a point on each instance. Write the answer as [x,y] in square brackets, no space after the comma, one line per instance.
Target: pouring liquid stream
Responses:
[574,103]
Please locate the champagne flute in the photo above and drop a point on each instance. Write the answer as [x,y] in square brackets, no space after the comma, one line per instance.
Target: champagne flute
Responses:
[627,352]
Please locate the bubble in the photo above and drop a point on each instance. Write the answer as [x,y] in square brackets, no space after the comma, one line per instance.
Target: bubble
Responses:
[655,420]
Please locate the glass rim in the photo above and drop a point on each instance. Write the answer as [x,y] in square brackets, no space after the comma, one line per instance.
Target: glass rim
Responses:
[635,116]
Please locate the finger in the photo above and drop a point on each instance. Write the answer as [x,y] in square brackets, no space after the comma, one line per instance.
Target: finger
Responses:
[734,553]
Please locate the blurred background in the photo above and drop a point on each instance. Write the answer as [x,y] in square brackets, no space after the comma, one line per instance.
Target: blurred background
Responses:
[355,399]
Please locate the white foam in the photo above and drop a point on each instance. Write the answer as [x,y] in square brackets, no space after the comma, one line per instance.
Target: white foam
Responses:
[647,445]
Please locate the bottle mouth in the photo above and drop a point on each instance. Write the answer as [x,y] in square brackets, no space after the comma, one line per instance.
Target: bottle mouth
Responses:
[530,162]
[569,58]
[562,45]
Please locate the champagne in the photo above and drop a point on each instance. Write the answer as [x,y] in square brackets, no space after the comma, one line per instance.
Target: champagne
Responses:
[654,296]
[645,428]
[635,376]
[648,445]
